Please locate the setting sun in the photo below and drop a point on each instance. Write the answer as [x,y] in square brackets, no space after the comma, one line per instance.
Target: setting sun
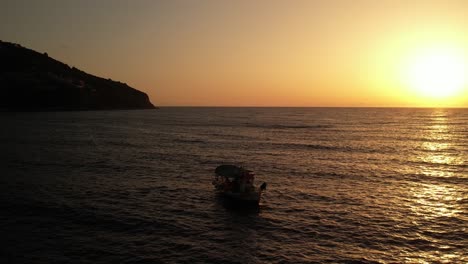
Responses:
[437,73]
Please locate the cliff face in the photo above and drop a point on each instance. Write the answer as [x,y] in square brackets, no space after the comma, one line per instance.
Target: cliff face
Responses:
[33,81]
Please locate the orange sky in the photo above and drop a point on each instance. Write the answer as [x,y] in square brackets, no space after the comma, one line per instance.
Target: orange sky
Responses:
[249,53]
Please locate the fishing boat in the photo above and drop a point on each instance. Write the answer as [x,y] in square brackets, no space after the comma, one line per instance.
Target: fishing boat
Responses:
[237,184]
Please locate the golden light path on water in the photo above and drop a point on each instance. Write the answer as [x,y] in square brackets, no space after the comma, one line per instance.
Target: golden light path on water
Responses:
[433,201]
[352,185]
[437,148]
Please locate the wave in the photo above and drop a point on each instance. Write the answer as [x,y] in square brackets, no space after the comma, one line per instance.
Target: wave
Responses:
[255,125]
[282,126]
[342,148]
[189,141]
[438,164]
[421,178]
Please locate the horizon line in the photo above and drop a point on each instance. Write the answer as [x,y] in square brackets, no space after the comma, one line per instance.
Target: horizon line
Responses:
[225,106]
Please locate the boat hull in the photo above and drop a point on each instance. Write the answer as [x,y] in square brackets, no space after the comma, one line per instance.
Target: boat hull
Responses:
[248,198]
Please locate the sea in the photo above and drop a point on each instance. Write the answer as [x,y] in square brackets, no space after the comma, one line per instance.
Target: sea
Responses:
[344,185]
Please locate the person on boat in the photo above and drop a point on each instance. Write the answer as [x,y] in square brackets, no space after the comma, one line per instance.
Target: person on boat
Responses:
[227,184]
[236,185]
[249,178]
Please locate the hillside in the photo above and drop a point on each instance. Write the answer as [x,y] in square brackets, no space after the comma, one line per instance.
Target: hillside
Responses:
[31,81]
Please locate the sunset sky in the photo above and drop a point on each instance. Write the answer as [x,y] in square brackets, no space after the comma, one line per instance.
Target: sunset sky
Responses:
[258,53]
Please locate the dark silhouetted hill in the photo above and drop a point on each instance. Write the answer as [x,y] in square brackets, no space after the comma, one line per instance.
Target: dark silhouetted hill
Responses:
[32,81]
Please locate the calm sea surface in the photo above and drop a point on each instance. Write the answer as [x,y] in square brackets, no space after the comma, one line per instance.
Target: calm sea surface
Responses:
[344,186]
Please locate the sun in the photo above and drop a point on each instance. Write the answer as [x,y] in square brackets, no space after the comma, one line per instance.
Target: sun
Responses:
[437,73]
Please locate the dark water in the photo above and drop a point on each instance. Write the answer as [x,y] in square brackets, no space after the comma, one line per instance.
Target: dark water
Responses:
[344,186]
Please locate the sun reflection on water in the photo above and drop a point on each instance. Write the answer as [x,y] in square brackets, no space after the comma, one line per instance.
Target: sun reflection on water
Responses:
[434,203]
[433,200]
[437,151]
